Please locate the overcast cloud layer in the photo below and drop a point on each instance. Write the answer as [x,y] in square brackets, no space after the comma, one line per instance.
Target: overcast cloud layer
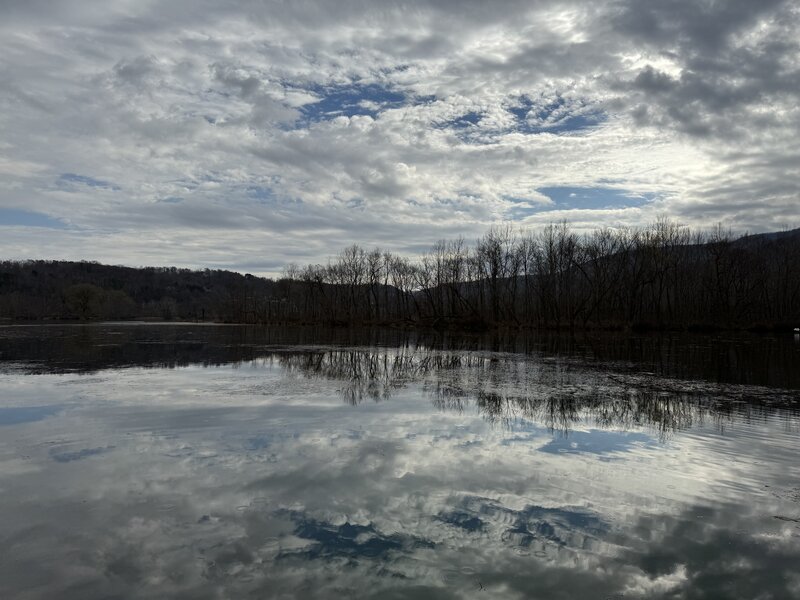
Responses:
[247,134]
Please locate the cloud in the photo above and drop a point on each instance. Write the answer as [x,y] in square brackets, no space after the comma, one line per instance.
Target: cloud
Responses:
[424,120]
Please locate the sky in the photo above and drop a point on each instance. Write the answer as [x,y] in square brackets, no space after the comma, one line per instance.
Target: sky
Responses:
[246,135]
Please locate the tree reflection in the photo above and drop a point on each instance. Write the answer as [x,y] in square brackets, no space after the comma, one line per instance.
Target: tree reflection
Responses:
[664,383]
[560,395]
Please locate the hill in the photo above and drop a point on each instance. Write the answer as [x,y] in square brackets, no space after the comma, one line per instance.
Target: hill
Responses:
[662,276]
[59,290]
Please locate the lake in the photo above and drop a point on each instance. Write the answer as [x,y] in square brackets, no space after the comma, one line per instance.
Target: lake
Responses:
[203,461]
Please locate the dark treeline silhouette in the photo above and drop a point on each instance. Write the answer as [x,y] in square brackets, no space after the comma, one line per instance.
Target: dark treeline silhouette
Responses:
[661,276]
[87,291]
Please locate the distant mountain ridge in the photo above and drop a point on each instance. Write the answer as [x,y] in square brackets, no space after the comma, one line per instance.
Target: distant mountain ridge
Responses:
[40,289]
[769,236]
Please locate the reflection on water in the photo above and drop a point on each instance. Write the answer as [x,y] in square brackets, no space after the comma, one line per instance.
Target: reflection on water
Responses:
[557,393]
[763,360]
[208,462]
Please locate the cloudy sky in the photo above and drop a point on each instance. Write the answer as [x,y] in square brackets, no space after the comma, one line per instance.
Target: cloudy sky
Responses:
[243,134]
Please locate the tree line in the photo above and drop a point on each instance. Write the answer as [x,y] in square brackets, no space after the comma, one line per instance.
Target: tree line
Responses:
[87,291]
[660,276]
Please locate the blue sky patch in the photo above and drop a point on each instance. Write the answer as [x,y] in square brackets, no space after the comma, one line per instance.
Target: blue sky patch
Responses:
[529,524]
[558,116]
[553,524]
[16,415]
[524,432]
[350,100]
[261,193]
[349,540]
[27,218]
[594,197]
[555,117]
[467,120]
[67,457]
[68,179]
[596,441]
[462,520]
[259,442]
[571,198]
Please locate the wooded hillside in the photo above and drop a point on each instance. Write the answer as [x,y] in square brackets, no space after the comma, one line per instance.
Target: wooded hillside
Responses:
[662,276]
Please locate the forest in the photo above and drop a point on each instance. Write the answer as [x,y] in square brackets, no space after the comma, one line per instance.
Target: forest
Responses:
[663,276]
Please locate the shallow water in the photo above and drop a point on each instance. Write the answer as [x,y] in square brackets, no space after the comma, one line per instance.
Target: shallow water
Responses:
[143,461]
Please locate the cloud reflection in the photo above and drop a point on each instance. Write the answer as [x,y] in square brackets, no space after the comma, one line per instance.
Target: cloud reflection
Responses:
[392,471]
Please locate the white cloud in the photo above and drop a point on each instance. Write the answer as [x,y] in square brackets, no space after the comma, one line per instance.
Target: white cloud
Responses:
[695,104]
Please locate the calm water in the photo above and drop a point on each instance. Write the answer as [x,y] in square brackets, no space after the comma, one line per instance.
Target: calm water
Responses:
[141,461]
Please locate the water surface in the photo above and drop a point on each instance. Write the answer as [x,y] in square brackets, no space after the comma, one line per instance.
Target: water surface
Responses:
[142,461]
